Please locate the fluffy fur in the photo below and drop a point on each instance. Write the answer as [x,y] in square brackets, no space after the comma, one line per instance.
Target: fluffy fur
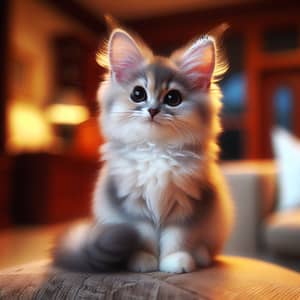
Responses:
[160,175]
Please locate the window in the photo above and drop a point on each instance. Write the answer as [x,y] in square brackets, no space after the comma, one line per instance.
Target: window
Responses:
[233,88]
[283,106]
[280,39]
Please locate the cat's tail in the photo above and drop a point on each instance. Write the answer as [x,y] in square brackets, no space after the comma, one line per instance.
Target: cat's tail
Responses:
[87,248]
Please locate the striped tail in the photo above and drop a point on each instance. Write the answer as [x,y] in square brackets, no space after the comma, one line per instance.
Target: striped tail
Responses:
[104,248]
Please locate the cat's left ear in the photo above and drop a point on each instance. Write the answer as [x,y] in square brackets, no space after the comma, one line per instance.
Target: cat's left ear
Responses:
[125,55]
[197,61]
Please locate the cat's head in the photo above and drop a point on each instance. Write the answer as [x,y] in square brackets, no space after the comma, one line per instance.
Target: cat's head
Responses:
[165,100]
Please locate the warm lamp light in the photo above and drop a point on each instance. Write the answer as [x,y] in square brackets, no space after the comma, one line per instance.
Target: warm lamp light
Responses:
[67,114]
[68,109]
[28,129]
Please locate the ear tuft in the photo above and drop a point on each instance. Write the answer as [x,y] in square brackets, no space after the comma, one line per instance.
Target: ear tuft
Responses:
[198,62]
[124,55]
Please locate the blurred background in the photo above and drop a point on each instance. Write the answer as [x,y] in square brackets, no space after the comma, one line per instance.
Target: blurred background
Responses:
[48,133]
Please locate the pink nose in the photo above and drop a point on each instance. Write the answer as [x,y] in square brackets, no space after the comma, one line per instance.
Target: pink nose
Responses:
[153,112]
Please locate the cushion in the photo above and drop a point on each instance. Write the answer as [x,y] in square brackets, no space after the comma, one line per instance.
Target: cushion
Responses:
[282,232]
[287,152]
[228,278]
[253,189]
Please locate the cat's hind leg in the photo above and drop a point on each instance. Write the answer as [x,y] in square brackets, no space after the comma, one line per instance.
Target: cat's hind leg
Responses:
[202,256]
[145,259]
[96,248]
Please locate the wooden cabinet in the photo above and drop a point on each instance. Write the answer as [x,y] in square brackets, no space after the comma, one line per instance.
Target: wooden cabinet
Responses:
[76,68]
[5,191]
[52,188]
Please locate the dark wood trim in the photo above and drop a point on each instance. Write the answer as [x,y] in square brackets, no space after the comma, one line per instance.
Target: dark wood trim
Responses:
[4,15]
[186,24]
[79,13]
[252,116]
[180,27]
[285,60]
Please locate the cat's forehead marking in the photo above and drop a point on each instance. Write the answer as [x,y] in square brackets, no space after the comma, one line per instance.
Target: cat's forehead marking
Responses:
[162,74]
[150,81]
[141,77]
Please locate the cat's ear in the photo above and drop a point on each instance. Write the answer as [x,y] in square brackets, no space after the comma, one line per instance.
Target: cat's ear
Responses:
[197,61]
[124,54]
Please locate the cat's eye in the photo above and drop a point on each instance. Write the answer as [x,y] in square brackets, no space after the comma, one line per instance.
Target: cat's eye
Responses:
[138,94]
[173,98]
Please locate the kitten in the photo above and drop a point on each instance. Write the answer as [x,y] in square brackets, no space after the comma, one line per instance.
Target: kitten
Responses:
[160,202]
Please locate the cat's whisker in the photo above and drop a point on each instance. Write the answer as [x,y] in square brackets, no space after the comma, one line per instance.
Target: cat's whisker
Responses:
[183,130]
[122,112]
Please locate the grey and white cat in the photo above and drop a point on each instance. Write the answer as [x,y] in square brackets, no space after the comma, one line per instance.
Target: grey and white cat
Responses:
[160,202]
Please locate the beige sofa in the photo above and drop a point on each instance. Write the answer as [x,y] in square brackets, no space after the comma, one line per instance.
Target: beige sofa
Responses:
[253,189]
[260,230]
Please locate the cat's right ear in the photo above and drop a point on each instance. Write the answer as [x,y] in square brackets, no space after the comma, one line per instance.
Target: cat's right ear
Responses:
[124,54]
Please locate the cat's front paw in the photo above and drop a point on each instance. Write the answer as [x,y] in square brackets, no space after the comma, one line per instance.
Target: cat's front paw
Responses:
[178,262]
[143,262]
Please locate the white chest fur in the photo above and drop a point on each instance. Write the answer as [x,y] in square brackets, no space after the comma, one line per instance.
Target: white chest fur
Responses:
[152,177]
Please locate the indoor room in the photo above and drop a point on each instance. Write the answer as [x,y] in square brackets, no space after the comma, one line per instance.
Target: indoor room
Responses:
[54,148]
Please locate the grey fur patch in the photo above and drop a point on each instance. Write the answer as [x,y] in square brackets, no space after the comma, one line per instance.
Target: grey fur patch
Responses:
[202,208]
[109,104]
[117,202]
[105,248]
[164,74]
[204,110]
[168,111]
[139,74]
[111,189]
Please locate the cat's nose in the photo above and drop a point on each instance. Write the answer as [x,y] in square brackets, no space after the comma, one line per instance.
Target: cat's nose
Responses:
[153,112]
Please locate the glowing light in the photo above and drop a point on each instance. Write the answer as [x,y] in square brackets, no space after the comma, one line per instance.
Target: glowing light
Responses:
[28,129]
[68,114]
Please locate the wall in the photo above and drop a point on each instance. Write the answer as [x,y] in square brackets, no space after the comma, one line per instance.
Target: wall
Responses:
[31,82]
[32,26]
